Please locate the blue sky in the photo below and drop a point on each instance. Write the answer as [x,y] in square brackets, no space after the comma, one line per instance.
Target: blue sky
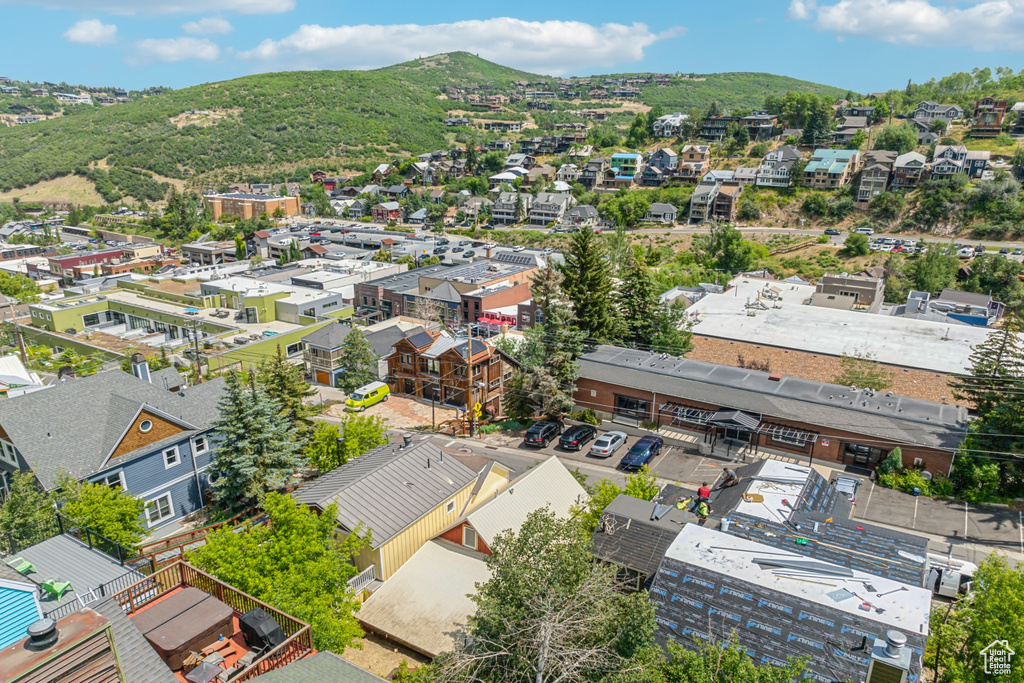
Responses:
[864,45]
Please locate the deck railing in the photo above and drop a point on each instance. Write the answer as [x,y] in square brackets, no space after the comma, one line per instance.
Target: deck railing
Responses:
[299,637]
[363,578]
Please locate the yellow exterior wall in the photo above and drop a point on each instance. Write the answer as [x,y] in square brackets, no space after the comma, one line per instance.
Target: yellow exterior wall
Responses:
[496,480]
[399,549]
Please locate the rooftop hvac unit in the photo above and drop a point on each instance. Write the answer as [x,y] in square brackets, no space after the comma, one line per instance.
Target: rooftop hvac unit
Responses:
[890,659]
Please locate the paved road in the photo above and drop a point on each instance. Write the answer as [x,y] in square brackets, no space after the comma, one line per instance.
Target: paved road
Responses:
[969,535]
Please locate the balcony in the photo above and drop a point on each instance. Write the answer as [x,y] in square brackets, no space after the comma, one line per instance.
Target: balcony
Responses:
[241,662]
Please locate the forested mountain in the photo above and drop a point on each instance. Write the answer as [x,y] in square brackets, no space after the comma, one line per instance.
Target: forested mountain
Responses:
[277,125]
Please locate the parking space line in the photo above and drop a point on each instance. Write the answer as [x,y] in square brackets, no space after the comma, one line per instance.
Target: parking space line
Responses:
[864,514]
[913,524]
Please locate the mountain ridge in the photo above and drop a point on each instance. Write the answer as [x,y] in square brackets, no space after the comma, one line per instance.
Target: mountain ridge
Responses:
[268,126]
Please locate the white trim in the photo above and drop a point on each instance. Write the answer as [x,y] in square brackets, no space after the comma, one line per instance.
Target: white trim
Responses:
[449,507]
[27,587]
[476,537]
[143,429]
[9,459]
[103,479]
[170,506]
[147,407]
[177,457]
[195,445]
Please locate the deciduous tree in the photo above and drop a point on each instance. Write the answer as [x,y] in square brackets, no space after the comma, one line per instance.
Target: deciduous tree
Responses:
[111,512]
[360,362]
[27,512]
[295,563]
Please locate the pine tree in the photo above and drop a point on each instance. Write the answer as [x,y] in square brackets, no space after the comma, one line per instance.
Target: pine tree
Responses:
[359,361]
[588,286]
[287,384]
[258,450]
[997,369]
[240,252]
[638,302]
[520,209]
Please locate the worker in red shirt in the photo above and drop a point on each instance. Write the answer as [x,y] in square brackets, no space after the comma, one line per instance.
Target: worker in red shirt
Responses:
[704,492]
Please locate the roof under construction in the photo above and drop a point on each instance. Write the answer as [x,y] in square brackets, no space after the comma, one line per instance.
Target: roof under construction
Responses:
[782,605]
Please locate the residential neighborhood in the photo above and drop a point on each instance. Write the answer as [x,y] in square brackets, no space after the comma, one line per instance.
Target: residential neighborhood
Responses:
[452,372]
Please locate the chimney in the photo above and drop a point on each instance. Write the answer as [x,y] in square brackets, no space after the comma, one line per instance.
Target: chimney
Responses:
[140,367]
[406,439]
[890,659]
[489,250]
[42,635]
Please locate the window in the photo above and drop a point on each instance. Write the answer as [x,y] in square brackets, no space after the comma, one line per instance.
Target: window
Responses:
[7,453]
[201,445]
[159,509]
[114,480]
[330,304]
[145,426]
[405,358]
[450,507]
[469,537]
[293,349]
[171,457]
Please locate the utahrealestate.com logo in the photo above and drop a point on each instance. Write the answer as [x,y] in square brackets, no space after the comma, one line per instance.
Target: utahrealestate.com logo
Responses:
[997,656]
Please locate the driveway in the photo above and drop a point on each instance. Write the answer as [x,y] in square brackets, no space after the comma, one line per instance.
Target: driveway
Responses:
[400,412]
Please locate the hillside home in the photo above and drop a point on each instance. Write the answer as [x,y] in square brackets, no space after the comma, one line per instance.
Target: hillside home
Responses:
[949,160]
[581,216]
[664,160]
[669,125]
[550,207]
[874,179]
[988,118]
[928,110]
[702,202]
[926,135]
[592,175]
[694,162]
[910,170]
[505,208]
[662,213]
[727,201]
[386,212]
[624,169]
[831,168]
[156,443]
[568,173]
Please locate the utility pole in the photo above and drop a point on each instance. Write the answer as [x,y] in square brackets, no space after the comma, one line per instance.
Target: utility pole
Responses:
[470,414]
[17,333]
[199,364]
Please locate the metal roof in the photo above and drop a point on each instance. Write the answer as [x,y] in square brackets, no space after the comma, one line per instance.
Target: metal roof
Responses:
[329,336]
[323,667]
[75,424]
[548,484]
[628,536]
[901,419]
[388,488]
[65,558]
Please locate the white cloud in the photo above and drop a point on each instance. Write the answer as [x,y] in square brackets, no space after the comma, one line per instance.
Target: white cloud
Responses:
[554,47]
[167,7]
[208,26]
[175,50]
[91,32]
[981,24]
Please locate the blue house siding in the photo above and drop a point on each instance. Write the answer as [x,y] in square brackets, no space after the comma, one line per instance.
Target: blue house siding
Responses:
[18,609]
[148,477]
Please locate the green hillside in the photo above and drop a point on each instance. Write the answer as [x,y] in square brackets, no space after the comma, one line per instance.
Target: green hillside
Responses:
[275,125]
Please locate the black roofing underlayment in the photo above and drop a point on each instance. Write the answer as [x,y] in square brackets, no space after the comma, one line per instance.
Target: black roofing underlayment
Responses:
[692,602]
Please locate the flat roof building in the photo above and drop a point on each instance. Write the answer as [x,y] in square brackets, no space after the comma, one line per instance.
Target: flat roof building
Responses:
[245,205]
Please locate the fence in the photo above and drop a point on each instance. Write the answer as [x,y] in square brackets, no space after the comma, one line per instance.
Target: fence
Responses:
[299,641]
[172,548]
[102,591]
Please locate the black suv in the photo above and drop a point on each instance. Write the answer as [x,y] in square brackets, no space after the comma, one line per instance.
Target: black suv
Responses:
[574,437]
[541,434]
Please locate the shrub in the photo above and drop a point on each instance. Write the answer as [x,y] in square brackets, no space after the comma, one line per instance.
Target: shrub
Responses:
[893,463]
[586,415]
[906,481]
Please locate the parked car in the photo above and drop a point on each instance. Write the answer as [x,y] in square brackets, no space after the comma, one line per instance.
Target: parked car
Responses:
[541,433]
[832,231]
[1004,250]
[848,486]
[1018,251]
[573,438]
[966,252]
[456,250]
[465,243]
[642,453]
[366,396]
[607,444]
[980,249]
[865,231]
[519,248]
[469,254]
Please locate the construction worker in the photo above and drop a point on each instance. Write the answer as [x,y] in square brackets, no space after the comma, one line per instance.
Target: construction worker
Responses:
[729,478]
[702,512]
[704,493]
[684,503]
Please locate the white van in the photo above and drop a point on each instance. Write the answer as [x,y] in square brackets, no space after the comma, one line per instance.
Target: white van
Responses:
[865,231]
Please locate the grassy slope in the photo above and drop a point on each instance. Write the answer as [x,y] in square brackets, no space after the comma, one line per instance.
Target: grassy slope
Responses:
[349,118]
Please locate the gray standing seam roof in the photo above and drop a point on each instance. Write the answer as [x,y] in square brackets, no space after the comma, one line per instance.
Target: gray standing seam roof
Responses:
[139,661]
[902,419]
[76,423]
[388,488]
[65,558]
[323,667]
[328,337]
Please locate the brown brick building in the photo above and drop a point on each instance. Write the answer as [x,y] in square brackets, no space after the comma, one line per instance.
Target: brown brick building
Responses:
[428,365]
[245,205]
[736,411]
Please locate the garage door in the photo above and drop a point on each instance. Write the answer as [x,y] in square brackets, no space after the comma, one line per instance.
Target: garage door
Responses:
[322,377]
